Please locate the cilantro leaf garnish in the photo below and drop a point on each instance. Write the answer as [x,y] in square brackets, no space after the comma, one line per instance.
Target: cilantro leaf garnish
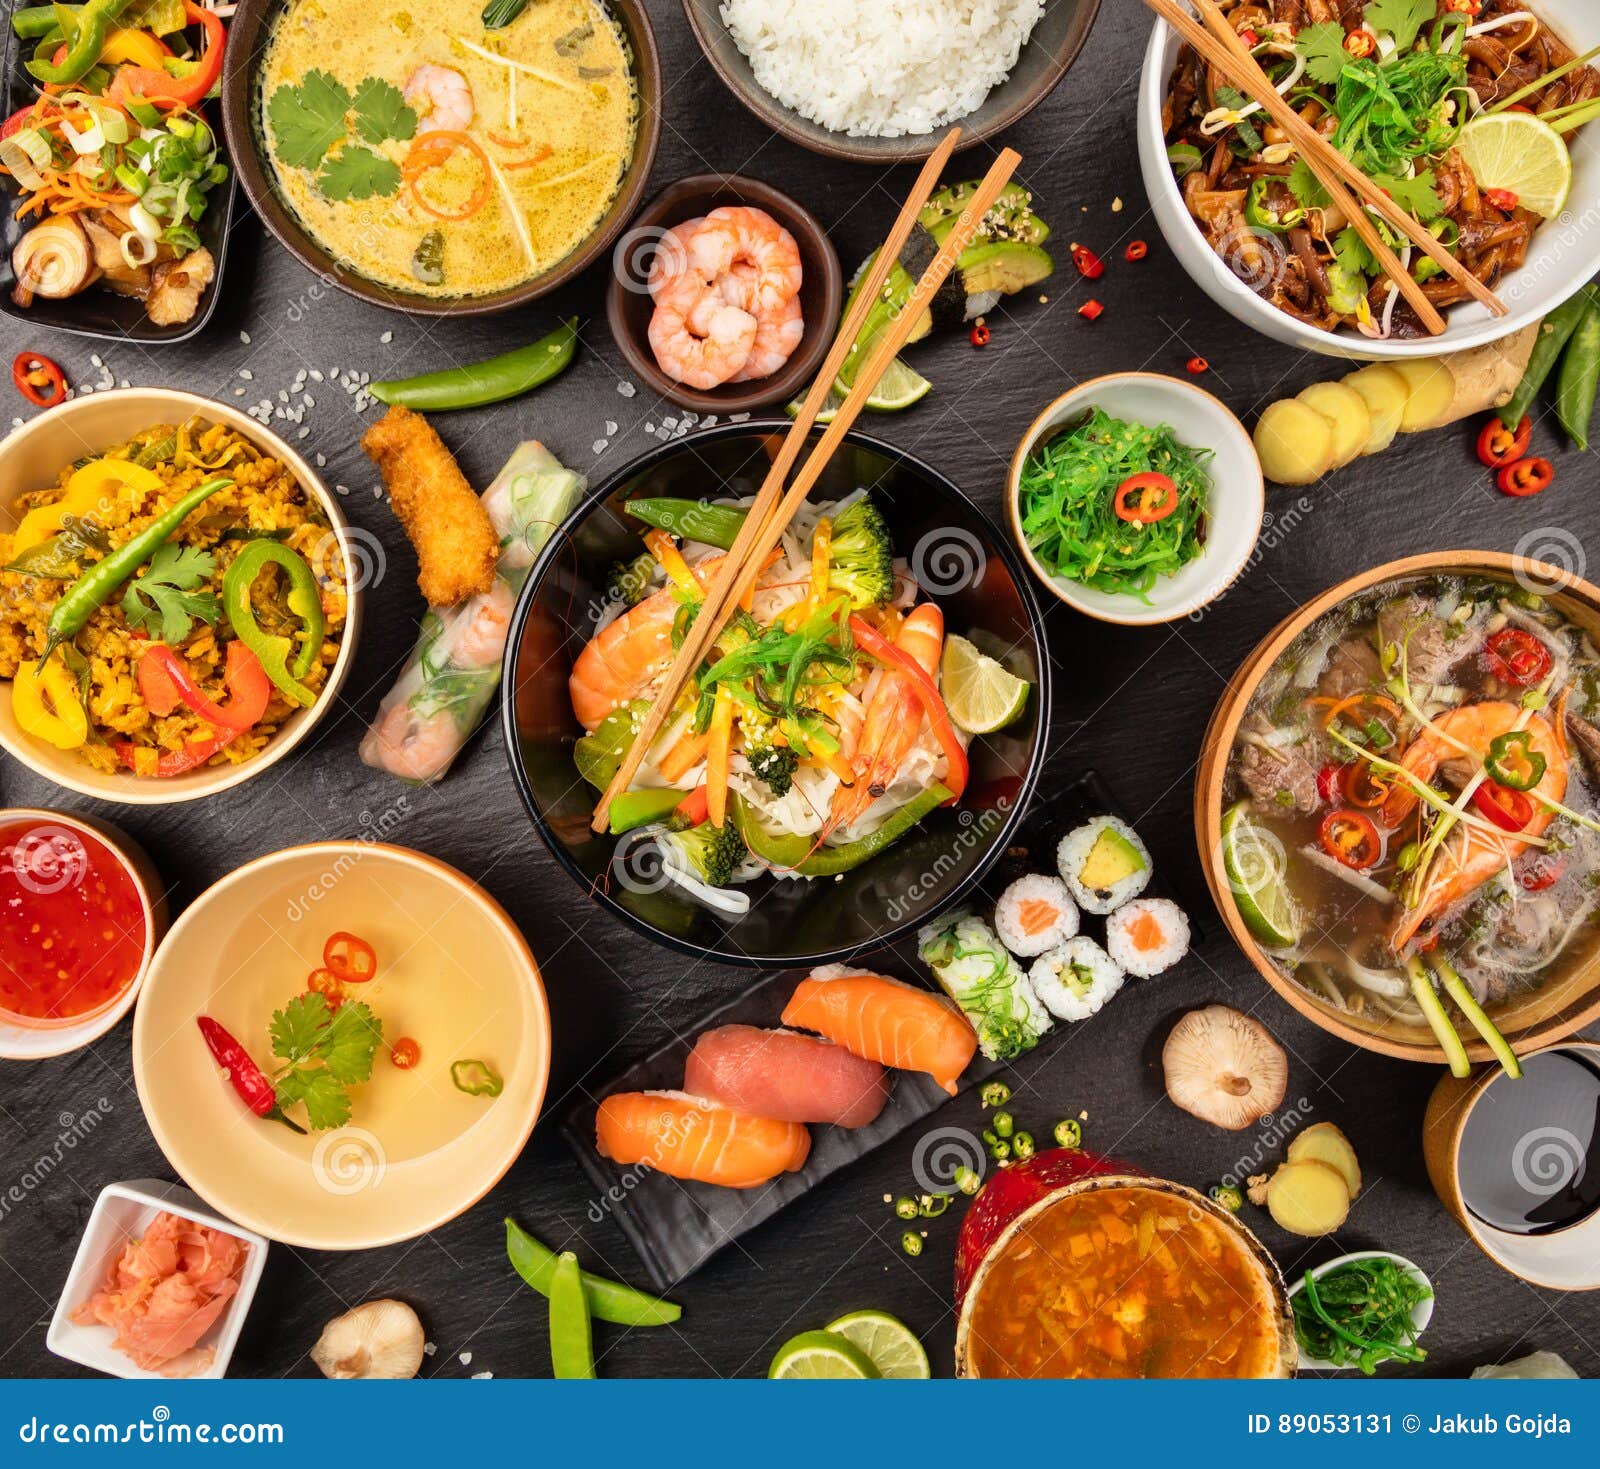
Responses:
[1351,252]
[381,112]
[1323,48]
[325,1052]
[1306,186]
[166,595]
[327,1103]
[1416,196]
[355,172]
[1402,19]
[308,119]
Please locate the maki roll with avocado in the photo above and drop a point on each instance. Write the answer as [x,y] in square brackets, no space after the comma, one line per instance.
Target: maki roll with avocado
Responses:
[1075,979]
[975,970]
[1104,864]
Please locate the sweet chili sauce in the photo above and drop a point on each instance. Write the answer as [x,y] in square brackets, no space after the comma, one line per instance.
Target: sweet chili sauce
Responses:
[72,926]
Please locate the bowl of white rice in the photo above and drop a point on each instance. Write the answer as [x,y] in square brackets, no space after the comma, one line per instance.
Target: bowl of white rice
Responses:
[881,83]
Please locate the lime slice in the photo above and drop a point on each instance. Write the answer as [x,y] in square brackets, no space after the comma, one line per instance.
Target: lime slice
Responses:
[888,1341]
[1255,865]
[980,695]
[1516,151]
[899,387]
[815,1354]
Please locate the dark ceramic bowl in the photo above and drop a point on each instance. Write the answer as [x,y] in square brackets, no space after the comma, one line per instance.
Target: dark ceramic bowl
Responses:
[963,561]
[629,305]
[1044,60]
[248,34]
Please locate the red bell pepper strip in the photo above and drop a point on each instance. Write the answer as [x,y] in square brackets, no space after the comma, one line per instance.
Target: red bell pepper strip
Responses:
[248,1079]
[879,647]
[164,677]
[143,761]
[149,85]
[38,379]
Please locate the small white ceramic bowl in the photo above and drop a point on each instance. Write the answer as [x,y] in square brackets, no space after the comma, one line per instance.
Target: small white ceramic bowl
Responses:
[1564,254]
[1238,495]
[25,1040]
[1421,1313]
[34,455]
[122,1213]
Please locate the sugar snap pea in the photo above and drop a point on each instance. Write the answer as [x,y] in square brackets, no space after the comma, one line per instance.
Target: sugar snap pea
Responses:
[481,383]
[1552,338]
[571,1341]
[1580,373]
[609,1300]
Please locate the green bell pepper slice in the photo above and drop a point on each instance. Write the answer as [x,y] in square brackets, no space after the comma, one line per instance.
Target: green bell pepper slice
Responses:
[304,601]
[639,808]
[790,852]
[84,46]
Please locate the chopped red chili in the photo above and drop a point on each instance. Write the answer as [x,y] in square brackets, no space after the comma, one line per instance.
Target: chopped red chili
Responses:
[1526,477]
[1505,199]
[405,1053]
[1091,310]
[1330,783]
[1249,36]
[1516,656]
[1349,837]
[1197,365]
[1508,809]
[980,334]
[38,379]
[1464,7]
[1090,266]
[1143,499]
[353,960]
[1361,44]
[1137,250]
[1499,446]
[326,983]
[1542,871]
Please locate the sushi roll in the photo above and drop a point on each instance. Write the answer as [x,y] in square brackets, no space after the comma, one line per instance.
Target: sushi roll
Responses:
[1104,864]
[986,982]
[1034,914]
[1148,936]
[1075,979]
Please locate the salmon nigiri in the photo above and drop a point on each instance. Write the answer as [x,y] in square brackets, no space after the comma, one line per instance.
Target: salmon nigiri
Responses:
[885,1020]
[783,1074]
[695,1138]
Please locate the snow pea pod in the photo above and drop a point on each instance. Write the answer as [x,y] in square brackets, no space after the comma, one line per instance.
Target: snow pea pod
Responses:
[481,383]
[1554,331]
[1580,373]
[694,520]
[91,590]
[609,1300]
[571,1340]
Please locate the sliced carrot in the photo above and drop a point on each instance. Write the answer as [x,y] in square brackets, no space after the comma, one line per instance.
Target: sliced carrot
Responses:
[430,151]
[718,751]
[665,550]
[687,752]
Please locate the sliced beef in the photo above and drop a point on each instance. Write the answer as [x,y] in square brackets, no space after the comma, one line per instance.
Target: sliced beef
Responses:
[1268,772]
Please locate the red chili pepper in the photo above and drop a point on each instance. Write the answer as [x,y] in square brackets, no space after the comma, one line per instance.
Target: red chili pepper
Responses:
[1137,250]
[1509,810]
[1330,783]
[165,681]
[1350,837]
[980,334]
[1197,365]
[1143,499]
[351,958]
[38,379]
[147,84]
[1091,310]
[694,808]
[405,1053]
[248,1079]
[1542,872]
[1505,199]
[1361,44]
[1090,266]
[17,121]
[879,647]
[326,983]
[1516,656]
[1463,7]
[1499,446]
[143,761]
[1249,36]
[1526,477]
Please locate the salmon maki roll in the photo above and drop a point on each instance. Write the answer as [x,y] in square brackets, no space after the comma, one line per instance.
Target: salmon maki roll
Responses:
[885,1020]
[785,1075]
[695,1138]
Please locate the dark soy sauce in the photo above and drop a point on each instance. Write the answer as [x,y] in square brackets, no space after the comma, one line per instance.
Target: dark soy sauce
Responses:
[1530,1150]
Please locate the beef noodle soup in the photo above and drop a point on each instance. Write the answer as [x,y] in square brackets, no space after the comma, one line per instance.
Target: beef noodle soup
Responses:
[1410,801]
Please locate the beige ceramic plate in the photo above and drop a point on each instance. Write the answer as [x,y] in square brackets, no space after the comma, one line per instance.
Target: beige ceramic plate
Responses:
[453,973]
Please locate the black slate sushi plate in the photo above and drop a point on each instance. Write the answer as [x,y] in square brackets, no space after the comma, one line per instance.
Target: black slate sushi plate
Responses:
[674,1226]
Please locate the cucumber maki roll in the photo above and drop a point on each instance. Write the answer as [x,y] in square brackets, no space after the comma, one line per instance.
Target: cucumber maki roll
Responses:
[1104,864]
[975,970]
[1075,979]
[1034,914]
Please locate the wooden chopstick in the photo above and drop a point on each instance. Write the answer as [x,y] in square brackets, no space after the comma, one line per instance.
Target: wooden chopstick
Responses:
[1308,137]
[719,595]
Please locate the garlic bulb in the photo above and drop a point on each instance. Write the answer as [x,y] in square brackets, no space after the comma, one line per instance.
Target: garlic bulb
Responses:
[52,260]
[1223,1067]
[378,1339]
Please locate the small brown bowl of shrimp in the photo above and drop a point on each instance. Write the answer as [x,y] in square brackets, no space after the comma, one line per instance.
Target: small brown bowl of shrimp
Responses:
[725,294]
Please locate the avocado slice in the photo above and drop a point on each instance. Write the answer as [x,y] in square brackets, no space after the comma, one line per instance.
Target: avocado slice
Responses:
[1010,218]
[1112,859]
[1007,266]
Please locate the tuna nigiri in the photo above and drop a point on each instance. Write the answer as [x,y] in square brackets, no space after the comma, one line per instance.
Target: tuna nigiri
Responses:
[693,1137]
[884,1020]
[785,1075]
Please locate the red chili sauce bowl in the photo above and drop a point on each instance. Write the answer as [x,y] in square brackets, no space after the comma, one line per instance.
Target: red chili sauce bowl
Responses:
[78,926]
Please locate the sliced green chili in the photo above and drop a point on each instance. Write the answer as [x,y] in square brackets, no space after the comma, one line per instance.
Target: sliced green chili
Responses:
[1513,762]
[476,1078]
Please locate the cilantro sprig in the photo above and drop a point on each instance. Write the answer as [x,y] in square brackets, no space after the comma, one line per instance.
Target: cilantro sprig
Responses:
[165,595]
[325,1052]
[317,123]
[1402,19]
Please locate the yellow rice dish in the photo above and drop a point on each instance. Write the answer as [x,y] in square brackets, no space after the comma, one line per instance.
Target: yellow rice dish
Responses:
[168,650]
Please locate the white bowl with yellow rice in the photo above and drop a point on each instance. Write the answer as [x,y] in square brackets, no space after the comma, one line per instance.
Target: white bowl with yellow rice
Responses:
[275,497]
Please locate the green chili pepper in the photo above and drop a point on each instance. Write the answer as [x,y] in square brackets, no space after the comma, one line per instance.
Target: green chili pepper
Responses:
[609,1300]
[1554,331]
[1261,215]
[1580,373]
[571,1341]
[91,590]
[933,1205]
[1000,1151]
[694,520]
[1230,1197]
[967,1180]
[1069,1133]
[905,1208]
[911,1243]
[1513,762]
[1022,1144]
[790,853]
[481,383]
[1184,158]
[84,48]
[1003,1123]
[994,1094]
[476,1078]
[1410,855]
[304,600]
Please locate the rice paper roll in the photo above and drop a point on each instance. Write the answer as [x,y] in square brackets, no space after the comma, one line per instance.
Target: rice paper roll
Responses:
[452,674]
[976,971]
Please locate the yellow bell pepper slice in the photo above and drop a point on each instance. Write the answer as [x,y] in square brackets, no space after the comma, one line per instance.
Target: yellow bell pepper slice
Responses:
[90,488]
[139,47]
[47,704]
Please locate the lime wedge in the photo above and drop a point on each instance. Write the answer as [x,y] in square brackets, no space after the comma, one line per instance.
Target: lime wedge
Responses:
[899,387]
[816,1354]
[1518,152]
[1255,865]
[980,695]
[888,1341]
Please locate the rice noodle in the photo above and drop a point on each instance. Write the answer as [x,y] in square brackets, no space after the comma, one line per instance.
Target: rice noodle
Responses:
[1358,880]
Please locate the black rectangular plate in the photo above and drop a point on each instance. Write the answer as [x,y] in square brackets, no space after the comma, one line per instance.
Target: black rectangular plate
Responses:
[674,1226]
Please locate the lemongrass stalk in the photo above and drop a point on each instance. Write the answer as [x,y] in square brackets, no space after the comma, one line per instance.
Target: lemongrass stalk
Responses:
[1433,1011]
[1467,1003]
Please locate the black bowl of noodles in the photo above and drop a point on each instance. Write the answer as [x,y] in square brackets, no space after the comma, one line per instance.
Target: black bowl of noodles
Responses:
[960,561]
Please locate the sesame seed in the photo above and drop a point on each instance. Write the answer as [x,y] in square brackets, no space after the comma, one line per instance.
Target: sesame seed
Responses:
[611,427]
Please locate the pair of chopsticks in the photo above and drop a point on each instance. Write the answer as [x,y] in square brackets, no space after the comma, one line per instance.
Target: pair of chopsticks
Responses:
[1227,53]
[773,509]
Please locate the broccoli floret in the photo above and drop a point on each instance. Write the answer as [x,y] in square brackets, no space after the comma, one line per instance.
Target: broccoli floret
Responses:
[632,580]
[712,853]
[774,765]
[862,555]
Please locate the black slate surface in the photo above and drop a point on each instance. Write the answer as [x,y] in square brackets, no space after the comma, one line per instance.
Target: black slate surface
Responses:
[1132,703]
